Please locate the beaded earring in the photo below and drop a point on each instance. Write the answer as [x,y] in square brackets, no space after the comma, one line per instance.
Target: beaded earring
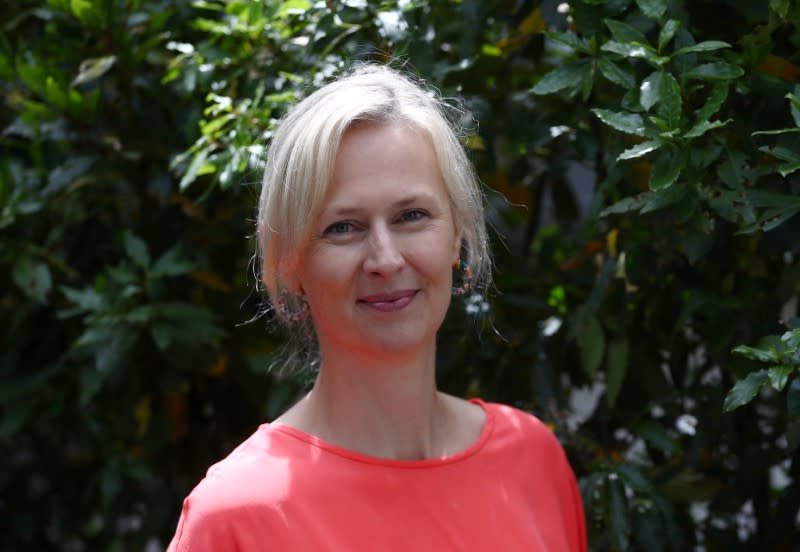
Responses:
[287,311]
[466,278]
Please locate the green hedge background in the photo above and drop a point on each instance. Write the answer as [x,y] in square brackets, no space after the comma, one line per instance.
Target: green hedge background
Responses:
[641,168]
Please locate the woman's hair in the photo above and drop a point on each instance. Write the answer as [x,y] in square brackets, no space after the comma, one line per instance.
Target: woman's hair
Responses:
[302,153]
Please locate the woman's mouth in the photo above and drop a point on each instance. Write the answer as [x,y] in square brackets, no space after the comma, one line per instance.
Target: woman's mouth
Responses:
[389,302]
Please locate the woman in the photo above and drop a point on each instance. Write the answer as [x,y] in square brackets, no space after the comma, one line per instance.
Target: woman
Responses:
[368,203]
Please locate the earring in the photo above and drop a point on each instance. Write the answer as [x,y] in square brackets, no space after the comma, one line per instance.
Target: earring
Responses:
[466,278]
[292,308]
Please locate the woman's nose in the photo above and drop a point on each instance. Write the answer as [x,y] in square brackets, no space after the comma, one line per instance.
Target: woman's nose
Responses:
[383,256]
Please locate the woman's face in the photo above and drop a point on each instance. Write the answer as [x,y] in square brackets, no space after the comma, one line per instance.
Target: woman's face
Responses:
[377,272]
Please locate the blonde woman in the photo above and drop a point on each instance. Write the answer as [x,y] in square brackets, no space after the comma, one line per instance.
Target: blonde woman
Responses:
[369,208]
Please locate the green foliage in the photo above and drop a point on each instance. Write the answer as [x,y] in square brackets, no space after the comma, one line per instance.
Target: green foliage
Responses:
[640,160]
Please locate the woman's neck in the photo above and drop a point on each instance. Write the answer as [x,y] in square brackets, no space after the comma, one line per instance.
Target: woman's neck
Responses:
[384,406]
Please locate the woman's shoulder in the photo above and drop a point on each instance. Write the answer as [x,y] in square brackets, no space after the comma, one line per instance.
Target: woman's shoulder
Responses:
[513,426]
[257,470]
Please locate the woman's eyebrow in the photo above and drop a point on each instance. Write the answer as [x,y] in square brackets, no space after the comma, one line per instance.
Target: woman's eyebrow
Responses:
[346,210]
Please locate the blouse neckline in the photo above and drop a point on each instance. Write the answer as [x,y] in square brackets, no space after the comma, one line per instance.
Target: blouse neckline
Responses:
[325,446]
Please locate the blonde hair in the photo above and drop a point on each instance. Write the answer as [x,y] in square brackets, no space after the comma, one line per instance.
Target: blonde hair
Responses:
[303,151]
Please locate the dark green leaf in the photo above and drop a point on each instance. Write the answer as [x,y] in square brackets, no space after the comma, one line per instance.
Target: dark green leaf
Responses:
[650,90]
[653,9]
[717,70]
[640,149]
[616,73]
[136,250]
[566,76]
[794,106]
[629,123]
[717,96]
[33,278]
[667,32]
[570,39]
[670,105]
[93,68]
[592,344]
[625,205]
[745,390]
[634,51]
[665,172]
[704,126]
[780,7]
[622,32]
[664,197]
[171,263]
[779,375]
[617,513]
[793,400]
[617,367]
[705,46]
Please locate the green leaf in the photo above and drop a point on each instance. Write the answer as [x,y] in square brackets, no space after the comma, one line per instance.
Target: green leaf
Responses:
[717,96]
[665,172]
[566,76]
[93,68]
[650,90]
[663,197]
[640,149]
[780,7]
[617,367]
[653,9]
[704,126]
[670,105]
[33,278]
[592,344]
[705,46]
[788,168]
[629,123]
[171,263]
[745,390]
[616,74]
[779,375]
[570,39]
[136,250]
[625,205]
[667,32]
[634,51]
[776,131]
[793,399]
[198,161]
[794,106]
[717,70]
[625,33]
[617,514]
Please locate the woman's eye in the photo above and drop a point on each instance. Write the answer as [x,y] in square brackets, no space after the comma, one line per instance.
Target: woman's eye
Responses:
[339,228]
[412,215]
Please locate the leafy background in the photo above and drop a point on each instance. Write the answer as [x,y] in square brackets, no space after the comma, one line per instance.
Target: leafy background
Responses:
[641,167]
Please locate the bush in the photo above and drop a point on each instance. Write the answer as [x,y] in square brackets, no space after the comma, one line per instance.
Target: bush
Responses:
[641,162]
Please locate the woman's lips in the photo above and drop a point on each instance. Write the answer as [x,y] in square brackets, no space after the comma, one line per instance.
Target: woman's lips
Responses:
[389,302]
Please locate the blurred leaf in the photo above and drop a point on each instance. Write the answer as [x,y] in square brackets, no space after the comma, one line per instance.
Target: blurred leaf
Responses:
[616,73]
[93,68]
[625,33]
[566,76]
[629,123]
[617,512]
[718,95]
[705,46]
[704,126]
[667,33]
[653,9]
[640,149]
[665,172]
[634,51]
[617,366]
[592,344]
[136,249]
[745,390]
[33,278]
[570,39]
[717,70]
[779,375]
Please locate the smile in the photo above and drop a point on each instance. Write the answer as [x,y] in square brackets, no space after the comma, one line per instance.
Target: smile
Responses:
[389,302]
